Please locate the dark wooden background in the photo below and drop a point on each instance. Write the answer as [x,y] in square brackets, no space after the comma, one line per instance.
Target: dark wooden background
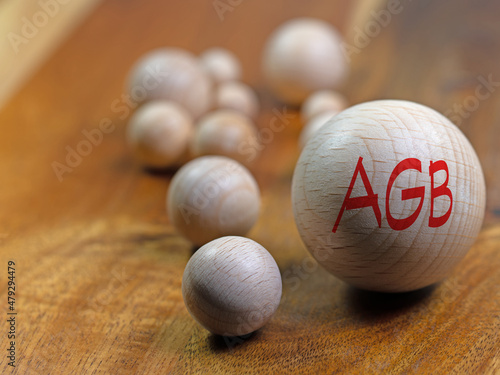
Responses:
[99,267]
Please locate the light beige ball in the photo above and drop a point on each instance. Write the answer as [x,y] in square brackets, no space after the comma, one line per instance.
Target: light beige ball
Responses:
[171,74]
[221,64]
[389,196]
[302,56]
[313,125]
[239,97]
[232,286]
[159,134]
[322,101]
[211,197]
[227,133]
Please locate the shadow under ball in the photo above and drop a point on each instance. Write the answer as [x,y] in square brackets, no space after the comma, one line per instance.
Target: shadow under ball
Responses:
[232,286]
[211,197]
[388,196]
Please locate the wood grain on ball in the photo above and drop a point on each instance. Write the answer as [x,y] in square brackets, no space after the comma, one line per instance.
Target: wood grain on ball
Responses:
[159,133]
[384,133]
[211,197]
[232,286]
[172,74]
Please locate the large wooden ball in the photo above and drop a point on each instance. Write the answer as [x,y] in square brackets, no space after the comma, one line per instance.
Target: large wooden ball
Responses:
[232,286]
[303,55]
[171,74]
[388,196]
[211,197]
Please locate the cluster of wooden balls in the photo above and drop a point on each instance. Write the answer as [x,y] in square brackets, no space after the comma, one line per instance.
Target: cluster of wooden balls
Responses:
[192,106]
[197,113]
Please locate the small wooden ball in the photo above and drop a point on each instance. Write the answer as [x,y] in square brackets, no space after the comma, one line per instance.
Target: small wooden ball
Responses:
[239,97]
[171,74]
[227,133]
[221,64]
[302,56]
[313,125]
[159,133]
[211,197]
[232,286]
[388,196]
[322,101]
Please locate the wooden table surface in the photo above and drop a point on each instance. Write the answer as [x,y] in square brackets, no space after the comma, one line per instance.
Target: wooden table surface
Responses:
[99,267]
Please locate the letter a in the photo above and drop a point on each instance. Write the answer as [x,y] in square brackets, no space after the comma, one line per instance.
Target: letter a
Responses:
[370,200]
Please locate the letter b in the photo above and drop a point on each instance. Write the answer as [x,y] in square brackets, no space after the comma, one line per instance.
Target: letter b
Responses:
[443,189]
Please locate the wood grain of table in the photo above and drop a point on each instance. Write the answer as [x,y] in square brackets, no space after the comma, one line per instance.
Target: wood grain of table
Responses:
[99,267]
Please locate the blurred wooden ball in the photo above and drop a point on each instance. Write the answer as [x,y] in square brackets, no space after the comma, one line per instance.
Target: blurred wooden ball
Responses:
[322,101]
[221,64]
[302,56]
[159,133]
[232,286]
[172,74]
[389,196]
[227,133]
[211,197]
[313,125]
[239,97]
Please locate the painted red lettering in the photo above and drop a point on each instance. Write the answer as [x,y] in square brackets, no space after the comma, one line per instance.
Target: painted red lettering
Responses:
[416,192]
[443,189]
[369,200]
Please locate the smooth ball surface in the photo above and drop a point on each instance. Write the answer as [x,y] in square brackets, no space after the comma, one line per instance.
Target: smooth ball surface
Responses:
[322,101]
[302,56]
[221,64]
[227,133]
[388,196]
[239,97]
[159,133]
[211,197]
[171,74]
[232,286]
[313,125]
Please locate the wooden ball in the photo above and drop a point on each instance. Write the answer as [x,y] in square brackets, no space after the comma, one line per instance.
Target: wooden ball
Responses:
[314,125]
[239,97]
[172,74]
[302,56]
[221,64]
[211,197]
[159,133]
[227,133]
[322,101]
[388,196]
[232,286]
